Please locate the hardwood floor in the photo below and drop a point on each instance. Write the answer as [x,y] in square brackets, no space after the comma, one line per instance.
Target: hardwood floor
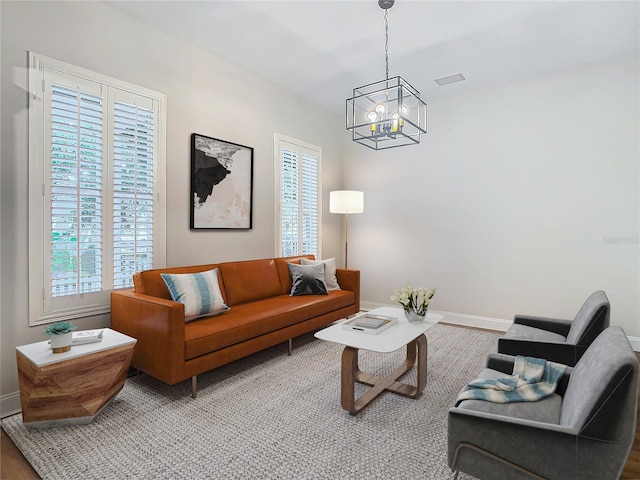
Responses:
[13,465]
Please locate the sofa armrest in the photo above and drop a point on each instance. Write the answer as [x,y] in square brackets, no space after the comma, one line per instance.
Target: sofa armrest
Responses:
[555,325]
[158,325]
[350,280]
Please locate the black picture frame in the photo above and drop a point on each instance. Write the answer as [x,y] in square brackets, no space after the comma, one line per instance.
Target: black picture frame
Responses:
[221,184]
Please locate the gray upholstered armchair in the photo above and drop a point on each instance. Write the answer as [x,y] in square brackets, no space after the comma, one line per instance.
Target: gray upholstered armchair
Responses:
[561,341]
[583,431]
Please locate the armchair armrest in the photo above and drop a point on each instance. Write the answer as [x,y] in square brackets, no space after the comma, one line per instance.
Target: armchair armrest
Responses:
[555,325]
[350,280]
[532,445]
[559,352]
[158,325]
[500,362]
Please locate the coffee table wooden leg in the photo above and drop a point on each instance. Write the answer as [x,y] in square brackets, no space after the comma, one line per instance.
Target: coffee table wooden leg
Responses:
[349,371]
[416,350]
[421,347]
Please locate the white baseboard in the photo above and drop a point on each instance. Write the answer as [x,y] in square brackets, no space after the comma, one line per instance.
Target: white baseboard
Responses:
[476,321]
[462,319]
[9,404]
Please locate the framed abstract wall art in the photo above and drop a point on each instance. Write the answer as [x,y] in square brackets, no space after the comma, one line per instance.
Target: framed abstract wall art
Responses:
[221,184]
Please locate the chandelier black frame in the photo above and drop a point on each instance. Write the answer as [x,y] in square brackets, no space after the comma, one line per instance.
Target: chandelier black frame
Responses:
[388,113]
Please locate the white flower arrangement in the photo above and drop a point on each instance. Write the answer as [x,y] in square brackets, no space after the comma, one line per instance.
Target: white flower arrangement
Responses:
[415,299]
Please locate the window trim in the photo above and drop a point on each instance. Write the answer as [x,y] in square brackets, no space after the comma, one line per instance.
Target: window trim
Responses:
[37,184]
[278,138]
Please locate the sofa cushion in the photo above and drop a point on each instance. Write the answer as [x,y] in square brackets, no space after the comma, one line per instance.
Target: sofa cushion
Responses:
[546,410]
[250,280]
[199,292]
[250,320]
[307,279]
[330,278]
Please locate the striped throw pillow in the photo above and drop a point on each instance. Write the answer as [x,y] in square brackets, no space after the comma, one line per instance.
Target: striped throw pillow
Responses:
[199,292]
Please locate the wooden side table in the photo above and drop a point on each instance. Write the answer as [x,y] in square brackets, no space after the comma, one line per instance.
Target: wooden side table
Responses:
[71,388]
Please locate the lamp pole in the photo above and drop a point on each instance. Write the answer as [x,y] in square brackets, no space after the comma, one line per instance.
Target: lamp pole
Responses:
[346,238]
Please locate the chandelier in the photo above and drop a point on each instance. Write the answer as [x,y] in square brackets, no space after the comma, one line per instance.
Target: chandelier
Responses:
[388,113]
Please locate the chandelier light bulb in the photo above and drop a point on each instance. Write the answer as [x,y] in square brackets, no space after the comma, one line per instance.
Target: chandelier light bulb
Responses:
[380,109]
[372,116]
[395,119]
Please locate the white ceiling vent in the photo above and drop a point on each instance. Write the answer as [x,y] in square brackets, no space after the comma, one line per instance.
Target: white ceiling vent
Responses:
[458,77]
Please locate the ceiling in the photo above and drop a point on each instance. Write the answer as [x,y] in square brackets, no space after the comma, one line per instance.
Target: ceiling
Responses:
[321,50]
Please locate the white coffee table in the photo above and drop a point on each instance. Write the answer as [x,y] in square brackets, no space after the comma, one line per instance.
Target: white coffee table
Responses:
[399,335]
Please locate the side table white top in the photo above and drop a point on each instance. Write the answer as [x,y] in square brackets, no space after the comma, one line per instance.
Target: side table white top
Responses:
[390,340]
[40,353]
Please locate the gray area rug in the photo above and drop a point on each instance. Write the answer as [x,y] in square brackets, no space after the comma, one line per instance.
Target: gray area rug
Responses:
[269,416]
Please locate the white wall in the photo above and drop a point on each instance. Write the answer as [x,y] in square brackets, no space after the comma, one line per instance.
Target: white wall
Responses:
[204,95]
[520,200]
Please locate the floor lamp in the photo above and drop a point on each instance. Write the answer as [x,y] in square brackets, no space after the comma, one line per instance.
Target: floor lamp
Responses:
[346,201]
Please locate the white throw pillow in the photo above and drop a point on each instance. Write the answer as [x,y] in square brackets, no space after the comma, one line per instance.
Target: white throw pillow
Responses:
[199,292]
[329,271]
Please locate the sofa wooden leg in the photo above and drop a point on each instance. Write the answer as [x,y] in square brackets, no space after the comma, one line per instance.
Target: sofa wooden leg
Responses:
[194,386]
[290,346]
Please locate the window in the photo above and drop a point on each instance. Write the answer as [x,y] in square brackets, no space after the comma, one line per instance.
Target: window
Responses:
[96,188]
[299,197]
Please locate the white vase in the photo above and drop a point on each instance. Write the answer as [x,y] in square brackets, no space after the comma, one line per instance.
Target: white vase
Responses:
[61,343]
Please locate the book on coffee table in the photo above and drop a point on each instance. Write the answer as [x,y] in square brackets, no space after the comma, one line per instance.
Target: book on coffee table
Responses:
[372,324]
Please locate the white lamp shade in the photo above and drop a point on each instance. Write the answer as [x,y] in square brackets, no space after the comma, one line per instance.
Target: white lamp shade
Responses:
[346,201]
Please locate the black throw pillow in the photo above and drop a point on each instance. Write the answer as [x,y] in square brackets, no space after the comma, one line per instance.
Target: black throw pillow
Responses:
[307,279]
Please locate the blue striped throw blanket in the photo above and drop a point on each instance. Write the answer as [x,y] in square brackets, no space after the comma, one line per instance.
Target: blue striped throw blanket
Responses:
[533,379]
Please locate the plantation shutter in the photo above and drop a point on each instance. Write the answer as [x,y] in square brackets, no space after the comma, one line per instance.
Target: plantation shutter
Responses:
[133,213]
[300,199]
[289,203]
[76,191]
[309,234]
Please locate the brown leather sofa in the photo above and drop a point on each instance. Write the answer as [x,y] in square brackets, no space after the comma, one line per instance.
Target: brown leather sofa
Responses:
[262,314]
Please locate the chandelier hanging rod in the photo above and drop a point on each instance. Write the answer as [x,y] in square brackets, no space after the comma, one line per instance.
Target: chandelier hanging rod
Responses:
[386,38]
